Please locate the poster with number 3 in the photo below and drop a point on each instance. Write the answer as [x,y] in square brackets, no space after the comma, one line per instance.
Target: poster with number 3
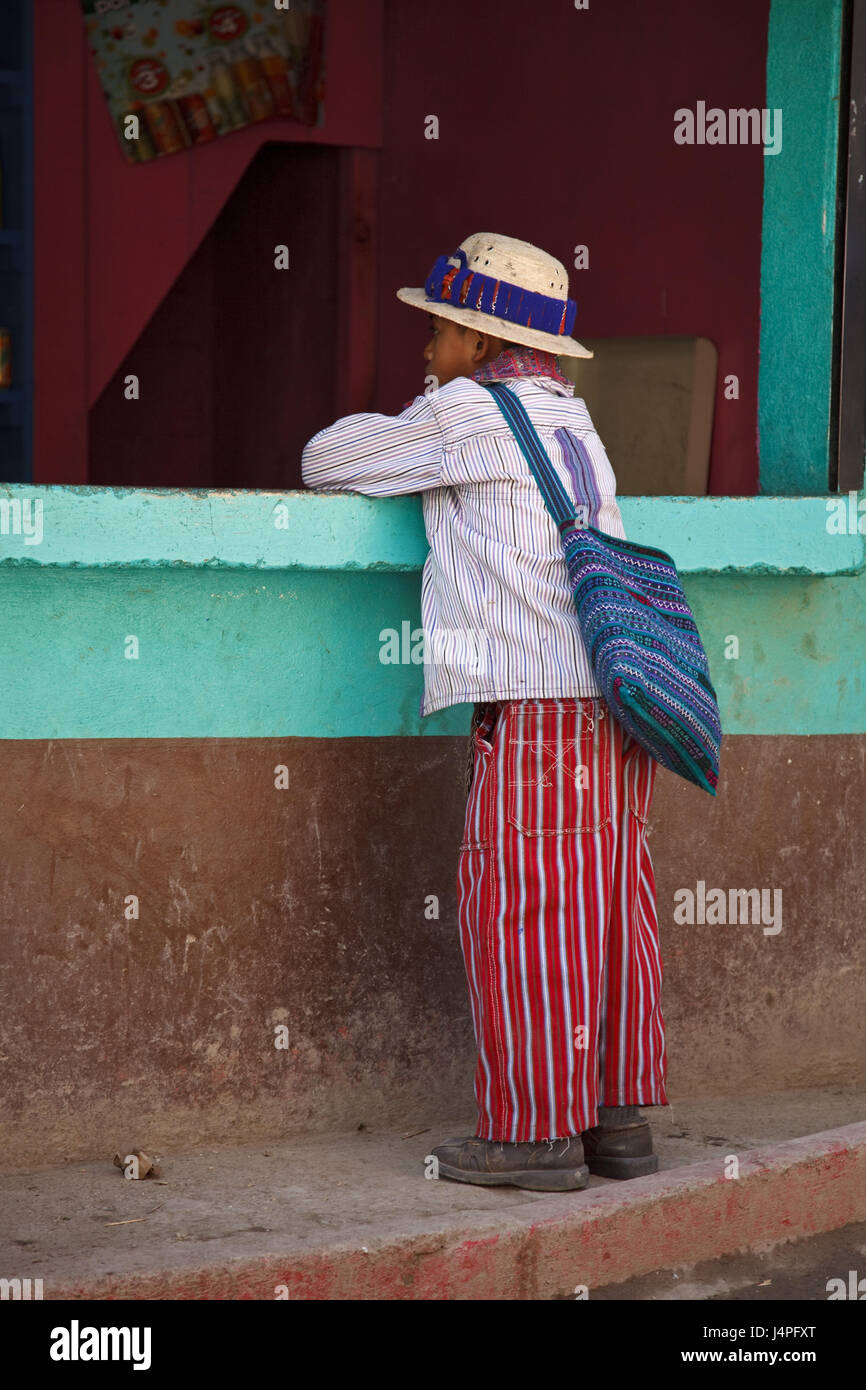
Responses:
[179,73]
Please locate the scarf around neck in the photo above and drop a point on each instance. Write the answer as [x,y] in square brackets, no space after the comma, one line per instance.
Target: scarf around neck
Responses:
[522,361]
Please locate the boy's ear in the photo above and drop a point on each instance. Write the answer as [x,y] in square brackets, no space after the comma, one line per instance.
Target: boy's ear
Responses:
[485,348]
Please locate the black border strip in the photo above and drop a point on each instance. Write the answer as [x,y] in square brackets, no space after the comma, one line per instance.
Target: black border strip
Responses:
[848,412]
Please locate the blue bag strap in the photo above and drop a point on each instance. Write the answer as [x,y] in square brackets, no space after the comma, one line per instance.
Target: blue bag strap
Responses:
[558,502]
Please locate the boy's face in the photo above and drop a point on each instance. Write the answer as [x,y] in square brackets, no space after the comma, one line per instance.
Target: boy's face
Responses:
[455,351]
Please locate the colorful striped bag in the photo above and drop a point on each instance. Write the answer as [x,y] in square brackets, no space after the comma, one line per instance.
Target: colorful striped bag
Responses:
[638,629]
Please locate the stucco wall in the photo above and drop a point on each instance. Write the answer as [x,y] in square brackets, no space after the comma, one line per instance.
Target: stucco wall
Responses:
[154,786]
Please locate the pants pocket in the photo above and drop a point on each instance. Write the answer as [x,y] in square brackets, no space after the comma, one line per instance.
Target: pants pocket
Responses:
[639,771]
[557,767]
[477,826]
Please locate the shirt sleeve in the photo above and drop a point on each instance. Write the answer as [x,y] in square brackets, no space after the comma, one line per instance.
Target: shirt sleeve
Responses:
[378,455]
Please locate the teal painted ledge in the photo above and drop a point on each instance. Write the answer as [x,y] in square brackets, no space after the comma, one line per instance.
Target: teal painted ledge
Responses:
[96,528]
[241,629]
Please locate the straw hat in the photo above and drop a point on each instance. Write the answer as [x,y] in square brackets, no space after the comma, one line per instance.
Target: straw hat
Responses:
[503,286]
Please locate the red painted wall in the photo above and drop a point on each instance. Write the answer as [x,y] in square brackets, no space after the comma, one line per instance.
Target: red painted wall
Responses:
[112,238]
[556,125]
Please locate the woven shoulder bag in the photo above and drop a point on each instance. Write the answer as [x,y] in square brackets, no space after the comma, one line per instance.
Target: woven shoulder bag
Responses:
[638,629]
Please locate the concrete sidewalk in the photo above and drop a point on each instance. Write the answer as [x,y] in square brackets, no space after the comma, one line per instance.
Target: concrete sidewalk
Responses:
[353,1217]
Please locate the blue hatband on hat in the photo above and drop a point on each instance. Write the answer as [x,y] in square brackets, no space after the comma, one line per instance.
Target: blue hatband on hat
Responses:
[469,289]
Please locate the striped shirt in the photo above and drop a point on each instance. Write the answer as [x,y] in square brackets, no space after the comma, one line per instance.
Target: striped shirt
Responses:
[498,617]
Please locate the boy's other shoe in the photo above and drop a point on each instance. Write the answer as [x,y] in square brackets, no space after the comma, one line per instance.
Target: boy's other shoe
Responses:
[621,1144]
[542,1167]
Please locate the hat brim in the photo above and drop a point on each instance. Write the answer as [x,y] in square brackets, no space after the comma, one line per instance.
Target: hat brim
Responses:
[488,323]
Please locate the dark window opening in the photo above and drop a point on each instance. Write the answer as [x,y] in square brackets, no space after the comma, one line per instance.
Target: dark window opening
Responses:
[235,368]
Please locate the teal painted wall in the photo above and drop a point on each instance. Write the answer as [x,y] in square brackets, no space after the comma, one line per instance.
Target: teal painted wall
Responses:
[297,654]
[798,247]
[242,634]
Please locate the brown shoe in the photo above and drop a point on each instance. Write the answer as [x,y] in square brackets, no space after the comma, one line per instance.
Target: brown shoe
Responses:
[620,1149]
[542,1167]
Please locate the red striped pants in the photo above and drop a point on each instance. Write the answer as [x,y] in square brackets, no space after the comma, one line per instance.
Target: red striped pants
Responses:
[557,917]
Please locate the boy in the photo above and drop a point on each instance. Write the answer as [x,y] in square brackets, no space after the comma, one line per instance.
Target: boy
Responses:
[556,894]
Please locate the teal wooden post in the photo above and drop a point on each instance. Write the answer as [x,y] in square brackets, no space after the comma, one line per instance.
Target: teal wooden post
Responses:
[798,247]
